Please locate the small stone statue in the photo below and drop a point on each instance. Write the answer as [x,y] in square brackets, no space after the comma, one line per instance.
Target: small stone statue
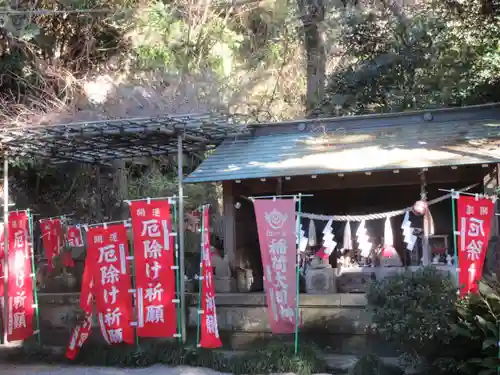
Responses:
[221,265]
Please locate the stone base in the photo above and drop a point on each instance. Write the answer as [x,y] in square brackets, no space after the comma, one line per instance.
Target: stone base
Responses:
[224,284]
[320,281]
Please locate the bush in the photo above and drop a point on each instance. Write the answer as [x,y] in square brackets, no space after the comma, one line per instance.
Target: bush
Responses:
[271,358]
[373,365]
[479,325]
[415,309]
[279,358]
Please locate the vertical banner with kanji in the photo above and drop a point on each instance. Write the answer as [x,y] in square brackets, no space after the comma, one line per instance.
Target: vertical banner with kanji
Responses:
[154,249]
[79,336]
[74,236]
[21,309]
[87,291]
[209,334]
[2,257]
[474,224]
[276,228]
[52,236]
[108,251]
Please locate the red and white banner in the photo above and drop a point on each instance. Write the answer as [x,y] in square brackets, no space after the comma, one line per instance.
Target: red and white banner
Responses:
[474,224]
[154,274]
[108,252]
[79,336]
[87,291]
[52,239]
[74,236]
[2,257]
[20,281]
[276,228]
[209,334]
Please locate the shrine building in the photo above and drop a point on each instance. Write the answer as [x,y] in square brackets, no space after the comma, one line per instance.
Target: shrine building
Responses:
[355,168]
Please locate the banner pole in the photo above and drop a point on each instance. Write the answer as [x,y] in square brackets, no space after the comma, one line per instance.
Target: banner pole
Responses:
[200,278]
[133,278]
[177,272]
[454,227]
[33,272]
[498,344]
[297,273]
[6,246]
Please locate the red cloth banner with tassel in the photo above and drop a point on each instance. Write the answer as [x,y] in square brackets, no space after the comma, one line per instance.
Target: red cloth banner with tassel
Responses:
[474,224]
[108,251]
[21,310]
[209,334]
[79,336]
[155,275]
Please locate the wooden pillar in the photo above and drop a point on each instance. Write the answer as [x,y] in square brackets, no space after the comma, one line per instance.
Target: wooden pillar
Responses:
[229,223]
[426,253]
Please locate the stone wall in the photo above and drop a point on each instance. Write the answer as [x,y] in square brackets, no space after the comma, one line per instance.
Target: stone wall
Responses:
[338,321]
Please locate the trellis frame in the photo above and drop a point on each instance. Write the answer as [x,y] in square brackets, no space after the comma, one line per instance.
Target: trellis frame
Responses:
[105,141]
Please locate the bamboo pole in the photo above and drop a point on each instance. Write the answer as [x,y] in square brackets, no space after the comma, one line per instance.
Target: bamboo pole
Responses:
[33,276]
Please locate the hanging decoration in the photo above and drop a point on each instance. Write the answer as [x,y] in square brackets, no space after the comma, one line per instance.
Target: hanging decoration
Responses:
[21,297]
[408,237]
[363,240]
[474,224]
[302,237]
[347,241]
[79,336]
[155,270]
[329,243]
[420,207]
[208,329]
[312,233]
[108,252]
[379,215]
[388,250]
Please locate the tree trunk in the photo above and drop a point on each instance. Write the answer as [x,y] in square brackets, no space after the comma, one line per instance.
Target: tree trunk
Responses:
[312,14]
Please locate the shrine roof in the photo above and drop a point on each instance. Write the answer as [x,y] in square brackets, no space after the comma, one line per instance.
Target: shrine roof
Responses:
[100,142]
[407,140]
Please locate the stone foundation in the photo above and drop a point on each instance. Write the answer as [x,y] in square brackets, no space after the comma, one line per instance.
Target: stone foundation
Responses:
[338,320]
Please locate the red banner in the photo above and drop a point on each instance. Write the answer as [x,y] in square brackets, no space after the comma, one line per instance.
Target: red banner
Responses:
[87,291]
[51,238]
[108,251]
[20,281]
[209,335]
[74,236]
[276,227]
[2,257]
[155,276]
[474,224]
[79,335]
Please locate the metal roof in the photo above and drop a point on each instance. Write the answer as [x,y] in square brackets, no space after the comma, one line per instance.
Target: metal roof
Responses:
[413,140]
[100,142]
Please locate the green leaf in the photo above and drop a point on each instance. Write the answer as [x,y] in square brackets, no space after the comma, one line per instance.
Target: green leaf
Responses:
[489,343]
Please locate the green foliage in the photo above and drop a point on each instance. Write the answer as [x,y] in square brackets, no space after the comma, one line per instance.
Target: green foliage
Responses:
[416,309]
[479,325]
[440,53]
[269,359]
[373,365]
[165,40]
[279,358]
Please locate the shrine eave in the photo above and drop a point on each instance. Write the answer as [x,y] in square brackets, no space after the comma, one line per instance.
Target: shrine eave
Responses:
[413,140]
